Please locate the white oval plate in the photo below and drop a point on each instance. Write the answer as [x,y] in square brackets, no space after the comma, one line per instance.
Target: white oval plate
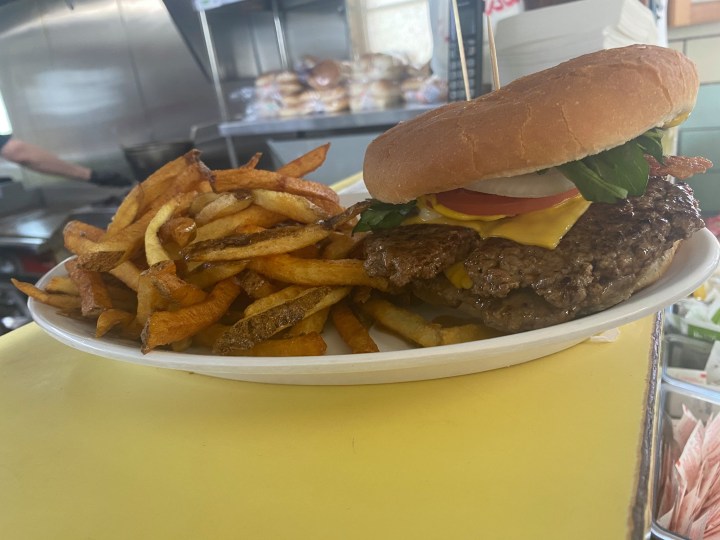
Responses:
[694,262]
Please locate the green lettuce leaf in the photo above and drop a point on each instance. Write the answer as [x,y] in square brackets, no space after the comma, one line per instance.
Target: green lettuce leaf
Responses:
[382,215]
[617,173]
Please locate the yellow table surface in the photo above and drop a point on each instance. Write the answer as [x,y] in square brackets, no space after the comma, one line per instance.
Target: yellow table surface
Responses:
[92,448]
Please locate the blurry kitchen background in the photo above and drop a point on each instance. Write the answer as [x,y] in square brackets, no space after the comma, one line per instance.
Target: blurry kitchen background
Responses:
[88,79]
[85,78]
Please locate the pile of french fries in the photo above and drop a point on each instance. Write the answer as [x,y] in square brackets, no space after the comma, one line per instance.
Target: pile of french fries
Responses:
[239,262]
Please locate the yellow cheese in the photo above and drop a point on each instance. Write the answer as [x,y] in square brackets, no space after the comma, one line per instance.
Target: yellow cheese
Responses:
[430,202]
[458,276]
[677,120]
[544,228]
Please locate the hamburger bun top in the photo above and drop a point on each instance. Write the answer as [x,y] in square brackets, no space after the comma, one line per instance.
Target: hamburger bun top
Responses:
[576,109]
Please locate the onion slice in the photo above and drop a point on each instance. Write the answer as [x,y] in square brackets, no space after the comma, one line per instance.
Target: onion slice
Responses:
[532,185]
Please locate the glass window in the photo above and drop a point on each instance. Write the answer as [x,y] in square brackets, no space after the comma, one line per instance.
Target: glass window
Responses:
[5,126]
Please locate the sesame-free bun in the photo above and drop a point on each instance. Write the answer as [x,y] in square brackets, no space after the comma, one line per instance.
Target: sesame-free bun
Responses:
[578,108]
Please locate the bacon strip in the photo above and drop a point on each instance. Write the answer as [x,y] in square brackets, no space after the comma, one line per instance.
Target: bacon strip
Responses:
[681,167]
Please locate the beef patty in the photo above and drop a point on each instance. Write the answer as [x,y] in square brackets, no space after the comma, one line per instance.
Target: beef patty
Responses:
[516,287]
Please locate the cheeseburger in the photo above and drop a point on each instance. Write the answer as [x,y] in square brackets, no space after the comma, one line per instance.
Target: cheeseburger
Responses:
[546,200]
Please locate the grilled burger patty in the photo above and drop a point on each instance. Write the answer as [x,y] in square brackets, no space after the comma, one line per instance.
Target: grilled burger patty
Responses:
[517,287]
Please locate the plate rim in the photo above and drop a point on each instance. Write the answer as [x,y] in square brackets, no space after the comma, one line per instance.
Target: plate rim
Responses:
[575,330]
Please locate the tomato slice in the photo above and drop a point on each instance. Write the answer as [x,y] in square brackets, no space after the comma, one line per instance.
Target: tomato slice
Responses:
[483,204]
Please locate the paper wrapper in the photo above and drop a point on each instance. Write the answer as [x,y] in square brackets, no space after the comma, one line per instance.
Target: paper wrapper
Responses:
[689,502]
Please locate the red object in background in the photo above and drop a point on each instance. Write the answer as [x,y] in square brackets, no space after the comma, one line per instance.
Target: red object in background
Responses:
[713,225]
[36,264]
[496,6]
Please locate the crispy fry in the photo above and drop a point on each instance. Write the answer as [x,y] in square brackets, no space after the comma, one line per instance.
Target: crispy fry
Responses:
[255,285]
[112,318]
[403,322]
[253,161]
[176,291]
[209,274]
[253,215]
[311,344]
[184,174]
[274,299]
[293,206]
[128,273]
[245,178]
[61,285]
[466,332]
[165,327]
[306,344]
[149,298]
[314,323]
[116,248]
[80,237]
[202,200]
[306,163]
[339,245]
[61,301]
[246,246]
[154,251]
[316,272]
[351,330]
[94,296]
[180,230]
[250,331]
[225,205]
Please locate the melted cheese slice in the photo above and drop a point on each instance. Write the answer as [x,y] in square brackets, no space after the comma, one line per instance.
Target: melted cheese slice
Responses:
[543,228]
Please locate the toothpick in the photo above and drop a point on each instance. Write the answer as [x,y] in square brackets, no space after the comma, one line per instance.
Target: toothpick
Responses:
[461,47]
[493,55]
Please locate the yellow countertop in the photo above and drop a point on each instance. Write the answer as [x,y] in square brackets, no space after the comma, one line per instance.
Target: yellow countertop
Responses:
[92,448]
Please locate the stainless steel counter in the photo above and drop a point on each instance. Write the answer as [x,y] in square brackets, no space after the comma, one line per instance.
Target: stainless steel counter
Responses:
[322,122]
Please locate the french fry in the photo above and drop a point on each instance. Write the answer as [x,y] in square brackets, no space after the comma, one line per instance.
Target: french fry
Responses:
[165,327]
[274,299]
[253,215]
[267,242]
[94,296]
[351,330]
[149,298]
[113,318]
[180,230]
[184,174]
[311,344]
[293,206]
[116,248]
[253,161]
[340,245]
[250,178]
[177,291]
[154,250]
[128,273]
[79,237]
[316,272]
[61,301]
[306,163]
[314,323]
[403,322]
[305,344]
[255,285]
[225,205]
[250,331]
[201,201]
[61,285]
[209,274]
[466,332]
